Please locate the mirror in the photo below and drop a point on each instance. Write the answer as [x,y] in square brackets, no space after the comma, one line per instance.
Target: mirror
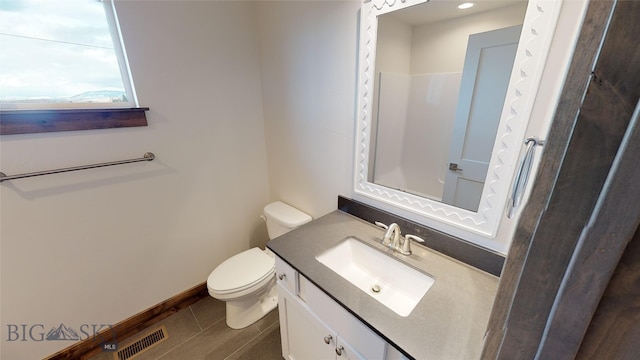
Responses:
[445,96]
[440,69]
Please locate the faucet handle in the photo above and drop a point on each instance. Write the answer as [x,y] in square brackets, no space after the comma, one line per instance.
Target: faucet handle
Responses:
[378,223]
[406,245]
[414,238]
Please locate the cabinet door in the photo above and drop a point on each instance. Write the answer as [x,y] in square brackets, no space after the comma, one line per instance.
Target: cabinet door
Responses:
[345,352]
[304,336]
[367,343]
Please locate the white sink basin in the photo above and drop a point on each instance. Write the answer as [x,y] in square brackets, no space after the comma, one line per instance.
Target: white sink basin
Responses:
[396,285]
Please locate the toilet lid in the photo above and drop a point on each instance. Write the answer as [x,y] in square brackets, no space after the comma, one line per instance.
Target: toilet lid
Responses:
[241,270]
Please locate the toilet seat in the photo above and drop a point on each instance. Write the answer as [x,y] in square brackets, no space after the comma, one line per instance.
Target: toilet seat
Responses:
[241,272]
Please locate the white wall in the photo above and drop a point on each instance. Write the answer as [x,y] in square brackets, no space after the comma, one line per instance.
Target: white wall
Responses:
[393,46]
[394,90]
[393,56]
[413,134]
[432,108]
[308,53]
[445,52]
[97,246]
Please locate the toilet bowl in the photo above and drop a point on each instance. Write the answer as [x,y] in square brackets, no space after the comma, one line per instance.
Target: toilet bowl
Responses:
[246,281]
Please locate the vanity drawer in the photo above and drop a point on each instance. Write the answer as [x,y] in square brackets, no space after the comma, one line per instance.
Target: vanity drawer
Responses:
[286,275]
[357,334]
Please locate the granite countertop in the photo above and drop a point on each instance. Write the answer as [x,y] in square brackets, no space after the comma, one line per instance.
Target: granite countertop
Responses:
[448,323]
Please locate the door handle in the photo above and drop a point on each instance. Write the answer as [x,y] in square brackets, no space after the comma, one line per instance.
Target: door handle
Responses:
[522,175]
[454,167]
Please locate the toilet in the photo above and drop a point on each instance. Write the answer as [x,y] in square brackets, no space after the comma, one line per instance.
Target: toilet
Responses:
[246,281]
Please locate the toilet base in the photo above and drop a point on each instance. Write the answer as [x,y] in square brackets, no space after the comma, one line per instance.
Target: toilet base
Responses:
[244,312]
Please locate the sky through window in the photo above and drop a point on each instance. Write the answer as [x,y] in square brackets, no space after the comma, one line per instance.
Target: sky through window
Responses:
[57,52]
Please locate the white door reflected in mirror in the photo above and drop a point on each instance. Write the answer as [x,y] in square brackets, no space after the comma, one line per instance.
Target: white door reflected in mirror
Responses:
[485,78]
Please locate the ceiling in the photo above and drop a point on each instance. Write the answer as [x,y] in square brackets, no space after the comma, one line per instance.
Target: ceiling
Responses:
[439,10]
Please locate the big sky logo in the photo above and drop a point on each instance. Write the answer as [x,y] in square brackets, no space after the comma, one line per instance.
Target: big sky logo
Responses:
[36,332]
[62,333]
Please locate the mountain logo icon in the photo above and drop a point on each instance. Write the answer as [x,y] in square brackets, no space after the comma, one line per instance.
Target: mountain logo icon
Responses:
[62,332]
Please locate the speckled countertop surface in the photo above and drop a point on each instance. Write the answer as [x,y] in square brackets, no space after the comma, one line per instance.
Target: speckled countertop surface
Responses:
[448,323]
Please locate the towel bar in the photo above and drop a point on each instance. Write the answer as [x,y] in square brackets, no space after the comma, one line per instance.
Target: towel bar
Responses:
[146,157]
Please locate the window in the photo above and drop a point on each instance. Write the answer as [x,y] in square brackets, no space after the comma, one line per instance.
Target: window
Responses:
[63,67]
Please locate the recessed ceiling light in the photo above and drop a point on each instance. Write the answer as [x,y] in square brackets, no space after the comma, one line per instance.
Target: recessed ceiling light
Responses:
[465,5]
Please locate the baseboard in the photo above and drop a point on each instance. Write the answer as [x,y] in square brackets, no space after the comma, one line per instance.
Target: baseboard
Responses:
[92,346]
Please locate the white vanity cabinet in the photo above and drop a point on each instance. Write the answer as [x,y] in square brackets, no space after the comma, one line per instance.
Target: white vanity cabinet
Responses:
[314,326]
[305,336]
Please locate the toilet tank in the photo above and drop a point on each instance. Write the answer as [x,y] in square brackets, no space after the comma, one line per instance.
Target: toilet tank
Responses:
[282,218]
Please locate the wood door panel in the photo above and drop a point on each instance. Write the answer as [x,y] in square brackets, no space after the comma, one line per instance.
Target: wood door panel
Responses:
[614,332]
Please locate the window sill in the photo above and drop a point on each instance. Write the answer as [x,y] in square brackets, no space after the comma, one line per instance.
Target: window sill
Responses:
[40,121]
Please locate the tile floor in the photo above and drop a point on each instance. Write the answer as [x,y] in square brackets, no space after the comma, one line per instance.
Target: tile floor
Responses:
[200,332]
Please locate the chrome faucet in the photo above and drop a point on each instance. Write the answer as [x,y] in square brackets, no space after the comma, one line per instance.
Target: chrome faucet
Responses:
[392,230]
[391,238]
[395,241]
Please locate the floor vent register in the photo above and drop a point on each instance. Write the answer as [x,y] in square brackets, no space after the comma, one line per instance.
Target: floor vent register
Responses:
[141,345]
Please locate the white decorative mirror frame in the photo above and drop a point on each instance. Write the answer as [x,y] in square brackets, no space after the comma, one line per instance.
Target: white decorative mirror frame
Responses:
[537,32]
